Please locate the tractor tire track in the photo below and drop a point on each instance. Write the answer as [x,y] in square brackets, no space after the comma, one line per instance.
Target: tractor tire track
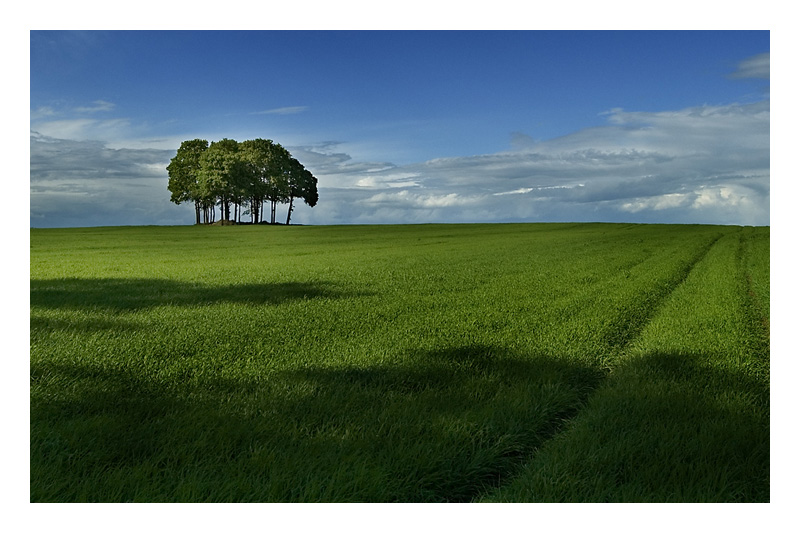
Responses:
[630,327]
[631,323]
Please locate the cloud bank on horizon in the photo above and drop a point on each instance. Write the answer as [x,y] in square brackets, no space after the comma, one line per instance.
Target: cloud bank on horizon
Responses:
[698,164]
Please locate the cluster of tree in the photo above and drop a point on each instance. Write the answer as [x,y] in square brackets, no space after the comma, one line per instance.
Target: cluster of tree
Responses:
[240,177]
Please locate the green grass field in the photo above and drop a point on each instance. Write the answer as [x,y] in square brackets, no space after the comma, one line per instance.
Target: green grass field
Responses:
[434,363]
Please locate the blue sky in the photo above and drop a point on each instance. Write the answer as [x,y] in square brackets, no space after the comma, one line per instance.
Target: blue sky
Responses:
[440,126]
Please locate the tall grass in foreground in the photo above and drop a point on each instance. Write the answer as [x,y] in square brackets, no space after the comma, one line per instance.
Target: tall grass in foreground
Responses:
[414,363]
[684,415]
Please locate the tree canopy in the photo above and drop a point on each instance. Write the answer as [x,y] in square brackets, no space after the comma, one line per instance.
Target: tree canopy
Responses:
[238,176]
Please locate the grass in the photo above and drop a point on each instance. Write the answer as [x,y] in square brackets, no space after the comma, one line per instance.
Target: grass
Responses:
[684,415]
[400,363]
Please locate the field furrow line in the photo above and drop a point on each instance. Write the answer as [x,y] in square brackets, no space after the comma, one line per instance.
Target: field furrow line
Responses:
[635,321]
[756,284]
[683,414]
[627,328]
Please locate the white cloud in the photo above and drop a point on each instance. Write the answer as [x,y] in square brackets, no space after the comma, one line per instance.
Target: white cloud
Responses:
[84,129]
[523,190]
[42,112]
[78,183]
[414,200]
[706,164]
[291,110]
[659,203]
[754,67]
[394,180]
[97,106]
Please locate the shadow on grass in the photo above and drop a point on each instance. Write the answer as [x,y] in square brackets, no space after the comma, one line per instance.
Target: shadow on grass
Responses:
[665,427]
[82,324]
[437,426]
[703,430]
[122,294]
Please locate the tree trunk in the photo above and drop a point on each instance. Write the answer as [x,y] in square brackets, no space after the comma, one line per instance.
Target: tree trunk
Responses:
[289,213]
[196,212]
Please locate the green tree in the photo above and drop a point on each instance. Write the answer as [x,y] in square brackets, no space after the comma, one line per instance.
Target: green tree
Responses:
[184,172]
[222,173]
[269,164]
[277,184]
[257,154]
[237,174]
[302,184]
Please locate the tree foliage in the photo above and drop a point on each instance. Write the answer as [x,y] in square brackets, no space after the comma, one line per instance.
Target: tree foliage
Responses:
[184,174]
[239,177]
[302,184]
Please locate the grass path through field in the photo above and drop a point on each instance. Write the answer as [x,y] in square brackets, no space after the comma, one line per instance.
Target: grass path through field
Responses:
[684,414]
